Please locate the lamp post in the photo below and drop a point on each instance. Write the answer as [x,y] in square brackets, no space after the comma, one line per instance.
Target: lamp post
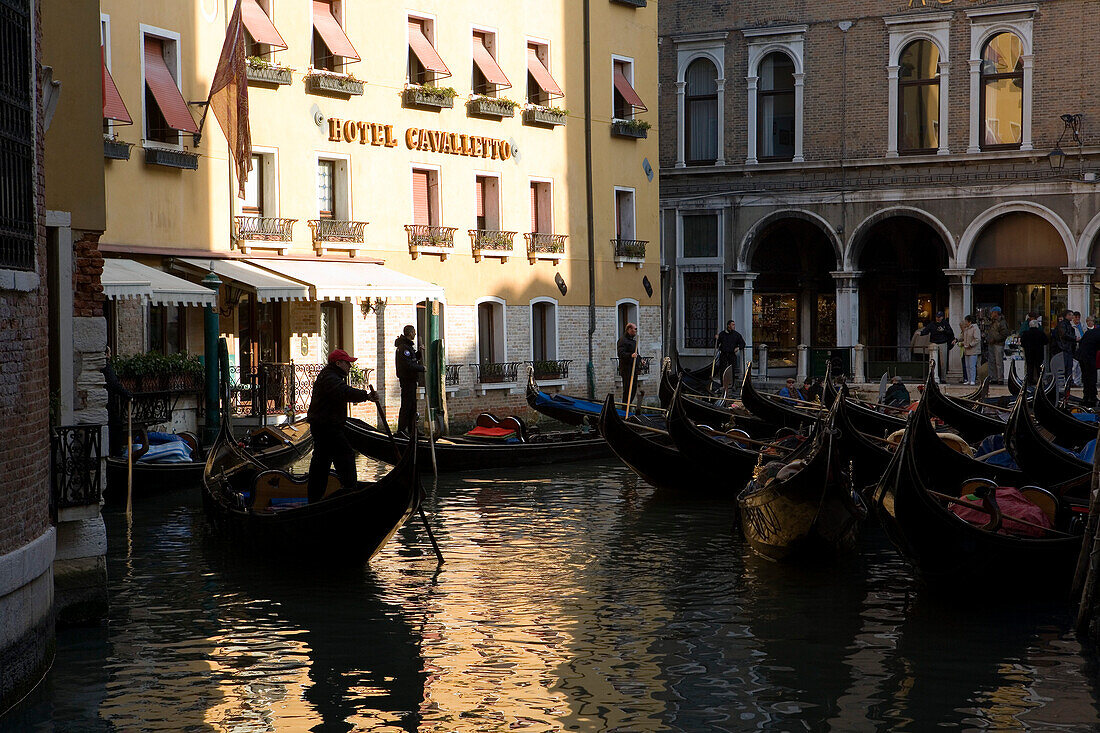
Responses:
[1071,123]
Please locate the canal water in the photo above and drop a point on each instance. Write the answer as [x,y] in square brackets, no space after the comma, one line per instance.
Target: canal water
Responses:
[573,598]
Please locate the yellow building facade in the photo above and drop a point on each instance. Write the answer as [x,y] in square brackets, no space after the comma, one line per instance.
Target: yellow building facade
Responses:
[440,151]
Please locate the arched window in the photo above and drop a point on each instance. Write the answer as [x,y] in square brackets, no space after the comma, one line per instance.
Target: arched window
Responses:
[919,98]
[1002,97]
[775,107]
[701,112]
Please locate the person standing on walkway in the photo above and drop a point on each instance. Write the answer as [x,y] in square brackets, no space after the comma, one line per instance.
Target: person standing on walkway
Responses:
[972,345]
[407,360]
[1065,340]
[1079,330]
[940,339]
[627,350]
[1033,341]
[995,334]
[328,411]
[1086,357]
[730,345]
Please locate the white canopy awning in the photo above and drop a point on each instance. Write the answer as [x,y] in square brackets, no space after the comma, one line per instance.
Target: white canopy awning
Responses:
[330,280]
[126,279]
[265,284]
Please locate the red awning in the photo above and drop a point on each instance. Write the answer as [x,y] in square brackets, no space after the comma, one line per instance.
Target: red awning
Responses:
[542,75]
[488,65]
[259,25]
[425,51]
[165,91]
[331,32]
[113,107]
[627,91]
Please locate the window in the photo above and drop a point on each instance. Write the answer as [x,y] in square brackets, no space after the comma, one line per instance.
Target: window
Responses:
[919,98]
[425,65]
[487,191]
[1002,95]
[332,189]
[332,327]
[261,36]
[700,235]
[18,234]
[488,77]
[331,47]
[542,214]
[624,213]
[490,331]
[701,112]
[625,101]
[541,87]
[775,107]
[253,204]
[626,311]
[165,329]
[425,196]
[544,330]
[700,309]
[166,112]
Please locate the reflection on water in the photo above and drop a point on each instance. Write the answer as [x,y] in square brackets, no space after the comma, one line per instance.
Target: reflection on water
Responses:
[570,600]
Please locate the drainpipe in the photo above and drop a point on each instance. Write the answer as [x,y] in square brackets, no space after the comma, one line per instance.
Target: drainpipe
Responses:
[589,212]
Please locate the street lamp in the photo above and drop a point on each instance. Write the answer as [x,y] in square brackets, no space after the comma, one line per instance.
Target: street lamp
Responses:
[1071,124]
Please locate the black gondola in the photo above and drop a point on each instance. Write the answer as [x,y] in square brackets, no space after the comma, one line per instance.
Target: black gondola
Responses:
[579,410]
[865,417]
[775,411]
[972,425]
[460,454]
[1014,383]
[941,546]
[1035,455]
[1068,431]
[652,456]
[348,527]
[867,458]
[806,508]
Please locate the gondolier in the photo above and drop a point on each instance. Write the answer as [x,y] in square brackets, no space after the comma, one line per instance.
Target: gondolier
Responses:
[627,349]
[328,411]
[409,368]
[1087,348]
[729,344]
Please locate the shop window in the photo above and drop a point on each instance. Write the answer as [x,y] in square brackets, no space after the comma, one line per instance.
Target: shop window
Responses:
[775,108]
[1002,92]
[624,214]
[700,235]
[490,332]
[919,98]
[775,324]
[487,192]
[541,87]
[165,329]
[700,297]
[625,101]
[166,112]
[425,194]
[331,47]
[488,77]
[701,112]
[542,214]
[544,330]
[425,66]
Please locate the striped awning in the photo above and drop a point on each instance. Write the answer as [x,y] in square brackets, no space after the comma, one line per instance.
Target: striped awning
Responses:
[113,107]
[264,284]
[259,25]
[129,280]
[328,280]
[159,80]
[325,23]
[488,66]
[541,74]
[622,84]
[424,49]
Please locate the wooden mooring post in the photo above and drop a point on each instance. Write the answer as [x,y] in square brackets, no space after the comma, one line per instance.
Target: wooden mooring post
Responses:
[1088,562]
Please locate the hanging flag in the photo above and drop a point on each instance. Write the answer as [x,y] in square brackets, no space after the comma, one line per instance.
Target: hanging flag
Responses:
[229,97]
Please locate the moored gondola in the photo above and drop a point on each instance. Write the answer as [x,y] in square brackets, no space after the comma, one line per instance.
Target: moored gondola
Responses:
[972,425]
[865,417]
[1068,431]
[776,412]
[578,410]
[866,455]
[266,510]
[803,505]
[652,455]
[1035,454]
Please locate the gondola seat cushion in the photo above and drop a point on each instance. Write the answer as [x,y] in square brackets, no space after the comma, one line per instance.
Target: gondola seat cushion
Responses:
[174,452]
[1012,504]
[1088,417]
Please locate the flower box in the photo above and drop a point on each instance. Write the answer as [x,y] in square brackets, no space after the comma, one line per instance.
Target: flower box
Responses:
[115,150]
[631,3]
[629,128]
[428,97]
[275,75]
[337,84]
[489,107]
[543,116]
[172,158]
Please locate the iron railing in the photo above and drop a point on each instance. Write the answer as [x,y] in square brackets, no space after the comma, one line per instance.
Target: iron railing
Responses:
[821,356]
[265,229]
[643,365]
[337,230]
[634,248]
[273,389]
[496,372]
[490,240]
[550,368]
[75,454]
[451,377]
[422,235]
[539,243]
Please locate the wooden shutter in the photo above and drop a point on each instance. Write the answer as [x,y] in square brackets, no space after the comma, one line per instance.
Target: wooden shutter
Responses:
[421,201]
[479,187]
[534,207]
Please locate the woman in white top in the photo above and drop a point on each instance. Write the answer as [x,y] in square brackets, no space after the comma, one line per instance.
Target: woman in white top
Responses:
[971,339]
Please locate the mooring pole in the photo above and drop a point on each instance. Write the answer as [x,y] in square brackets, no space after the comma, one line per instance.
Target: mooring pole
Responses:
[211,328]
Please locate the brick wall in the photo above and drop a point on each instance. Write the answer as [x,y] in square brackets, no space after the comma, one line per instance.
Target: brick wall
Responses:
[87,268]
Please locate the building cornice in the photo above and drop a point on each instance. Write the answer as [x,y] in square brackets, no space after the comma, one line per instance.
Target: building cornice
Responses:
[1003,11]
[917,19]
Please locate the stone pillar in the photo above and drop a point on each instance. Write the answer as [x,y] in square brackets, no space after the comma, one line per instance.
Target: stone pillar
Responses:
[847,307]
[799,84]
[859,373]
[945,114]
[892,112]
[680,152]
[803,362]
[975,115]
[721,84]
[740,302]
[1029,69]
[1079,280]
[762,366]
[751,126]
[960,298]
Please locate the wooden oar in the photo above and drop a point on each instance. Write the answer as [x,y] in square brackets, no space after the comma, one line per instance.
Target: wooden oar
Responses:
[743,439]
[130,459]
[630,389]
[809,405]
[991,454]
[1006,517]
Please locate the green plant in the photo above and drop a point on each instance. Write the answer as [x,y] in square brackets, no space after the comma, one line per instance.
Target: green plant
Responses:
[544,367]
[549,109]
[509,104]
[356,376]
[441,93]
[636,125]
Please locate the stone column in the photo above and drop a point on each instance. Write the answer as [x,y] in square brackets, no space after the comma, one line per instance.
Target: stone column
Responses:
[751,118]
[740,306]
[680,152]
[960,298]
[847,307]
[803,362]
[1025,134]
[892,112]
[945,114]
[975,90]
[721,84]
[799,84]
[1079,280]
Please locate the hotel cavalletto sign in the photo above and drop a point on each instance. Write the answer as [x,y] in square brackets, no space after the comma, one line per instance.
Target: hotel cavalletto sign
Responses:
[418,138]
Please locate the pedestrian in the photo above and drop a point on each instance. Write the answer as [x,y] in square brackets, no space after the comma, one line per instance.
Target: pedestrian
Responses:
[995,334]
[1065,340]
[897,395]
[1090,323]
[627,349]
[1086,357]
[1079,330]
[1033,341]
[972,344]
[791,393]
[328,411]
[407,361]
[941,338]
[730,344]
[1026,324]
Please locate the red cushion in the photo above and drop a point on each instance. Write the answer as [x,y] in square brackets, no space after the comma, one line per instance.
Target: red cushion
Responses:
[483,432]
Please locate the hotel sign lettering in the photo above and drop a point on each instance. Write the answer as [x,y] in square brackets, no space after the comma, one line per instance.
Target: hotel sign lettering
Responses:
[418,138]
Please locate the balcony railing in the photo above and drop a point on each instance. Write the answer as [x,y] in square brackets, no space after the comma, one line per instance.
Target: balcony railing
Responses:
[116,150]
[264,232]
[424,239]
[491,243]
[629,250]
[172,158]
[505,372]
[643,365]
[450,379]
[629,128]
[545,246]
[75,453]
[427,97]
[489,107]
[346,236]
[550,368]
[273,389]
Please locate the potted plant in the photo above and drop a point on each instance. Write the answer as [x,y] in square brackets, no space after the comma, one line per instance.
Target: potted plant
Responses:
[536,114]
[547,369]
[416,95]
[630,128]
[269,72]
[499,107]
[323,81]
[490,373]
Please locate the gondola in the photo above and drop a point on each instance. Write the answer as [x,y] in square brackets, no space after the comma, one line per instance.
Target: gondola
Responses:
[264,510]
[972,425]
[945,549]
[863,416]
[457,453]
[652,456]
[577,410]
[805,509]
[867,459]
[273,446]
[1035,455]
[689,382]
[1068,431]
[1014,383]
[775,411]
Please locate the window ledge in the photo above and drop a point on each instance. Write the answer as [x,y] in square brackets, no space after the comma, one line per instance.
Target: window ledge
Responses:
[480,388]
[638,262]
[246,246]
[21,281]
[552,382]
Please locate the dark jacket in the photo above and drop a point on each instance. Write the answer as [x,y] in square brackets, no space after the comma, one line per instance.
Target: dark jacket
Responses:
[1064,336]
[1033,340]
[939,332]
[730,341]
[997,331]
[1087,348]
[626,348]
[328,407]
[407,359]
[897,396]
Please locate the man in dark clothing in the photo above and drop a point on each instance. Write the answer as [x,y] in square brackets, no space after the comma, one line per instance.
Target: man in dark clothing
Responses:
[1065,339]
[940,338]
[897,395]
[730,344]
[627,349]
[1033,341]
[1086,357]
[409,368]
[328,411]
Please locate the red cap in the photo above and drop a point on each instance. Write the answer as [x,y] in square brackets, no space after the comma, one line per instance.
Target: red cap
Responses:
[341,355]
